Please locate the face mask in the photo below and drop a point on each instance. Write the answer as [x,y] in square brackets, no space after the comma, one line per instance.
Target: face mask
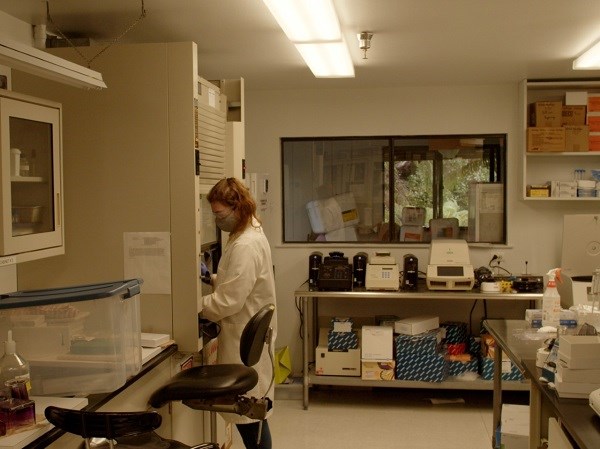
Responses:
[228,223]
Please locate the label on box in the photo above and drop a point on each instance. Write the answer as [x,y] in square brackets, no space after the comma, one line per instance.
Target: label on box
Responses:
[577,137]
[573,115]
[546,114]
[377,369]
[545,139]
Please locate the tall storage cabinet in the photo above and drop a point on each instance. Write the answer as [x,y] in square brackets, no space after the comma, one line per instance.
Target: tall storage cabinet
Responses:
[31,181]
[541,167]
[131,156]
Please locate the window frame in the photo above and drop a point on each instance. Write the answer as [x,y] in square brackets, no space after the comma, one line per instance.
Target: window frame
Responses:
[497,159]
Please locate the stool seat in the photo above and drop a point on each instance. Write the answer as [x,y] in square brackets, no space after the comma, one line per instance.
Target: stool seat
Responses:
[207,382]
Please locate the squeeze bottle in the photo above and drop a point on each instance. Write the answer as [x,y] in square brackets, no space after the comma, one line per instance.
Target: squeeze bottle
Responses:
[12,365]
[551,300]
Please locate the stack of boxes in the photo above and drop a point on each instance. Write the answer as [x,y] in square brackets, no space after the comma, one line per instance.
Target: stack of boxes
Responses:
[578,369]
[377,359]
[462,350]
[486,370]
[419,353]
[338,352]
[572,126]
[554,126]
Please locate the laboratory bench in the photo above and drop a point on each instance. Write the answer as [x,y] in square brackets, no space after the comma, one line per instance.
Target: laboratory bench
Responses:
[46,435]
[307,301]
[577,419]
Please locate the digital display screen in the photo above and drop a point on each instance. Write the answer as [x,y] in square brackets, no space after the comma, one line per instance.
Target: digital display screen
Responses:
[450,271]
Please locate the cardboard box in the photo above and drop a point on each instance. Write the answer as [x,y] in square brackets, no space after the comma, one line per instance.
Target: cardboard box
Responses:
[425,343]
[540,191]
[545,139]
[545,114]
[593,121]
[335,363]
[594,141]
[411,233]
[576,97]
[574,389]
[377,343]
[515,426]
[416,324]
[593,103]
[421,367]
[573,115]
[377,369]
[580,346]
[577,137]
[578,375]
[342,341]
[578,362]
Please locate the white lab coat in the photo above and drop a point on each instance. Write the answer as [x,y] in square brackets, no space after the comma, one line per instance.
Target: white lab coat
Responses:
[244,283]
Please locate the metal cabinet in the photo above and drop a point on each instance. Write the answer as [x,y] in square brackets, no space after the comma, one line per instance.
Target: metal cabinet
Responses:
[31,177]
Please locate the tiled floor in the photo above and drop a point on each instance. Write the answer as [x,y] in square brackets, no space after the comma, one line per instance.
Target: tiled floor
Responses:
[390,418]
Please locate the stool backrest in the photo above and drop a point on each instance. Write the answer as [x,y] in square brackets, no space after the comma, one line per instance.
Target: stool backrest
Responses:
[255,335]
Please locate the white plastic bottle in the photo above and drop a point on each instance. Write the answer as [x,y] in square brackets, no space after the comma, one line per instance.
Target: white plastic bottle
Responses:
[551,301]
[12,365]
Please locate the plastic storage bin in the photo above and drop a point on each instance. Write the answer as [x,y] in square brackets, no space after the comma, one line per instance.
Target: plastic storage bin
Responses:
[78,340]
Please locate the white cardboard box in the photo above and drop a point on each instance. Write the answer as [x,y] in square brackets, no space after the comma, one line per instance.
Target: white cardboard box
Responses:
[416,324]
[578,362]
[580,346]
[574,389]
[377,343]
[577,375]
[515,426]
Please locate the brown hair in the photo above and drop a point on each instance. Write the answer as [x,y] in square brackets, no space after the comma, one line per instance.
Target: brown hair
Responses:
[235,194]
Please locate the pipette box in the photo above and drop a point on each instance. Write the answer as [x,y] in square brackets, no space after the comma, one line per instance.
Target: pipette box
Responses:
[83,339]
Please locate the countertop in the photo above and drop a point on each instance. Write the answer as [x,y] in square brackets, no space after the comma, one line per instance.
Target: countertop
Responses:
[44,434]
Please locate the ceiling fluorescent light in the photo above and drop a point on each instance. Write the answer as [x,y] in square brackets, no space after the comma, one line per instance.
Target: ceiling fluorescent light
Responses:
[306,20]
[327,60]
[40,63]
[589,60]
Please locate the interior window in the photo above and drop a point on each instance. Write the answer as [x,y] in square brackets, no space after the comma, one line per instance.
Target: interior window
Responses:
[394,189]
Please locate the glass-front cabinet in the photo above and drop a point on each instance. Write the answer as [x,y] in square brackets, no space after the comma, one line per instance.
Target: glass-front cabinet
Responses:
[32,204]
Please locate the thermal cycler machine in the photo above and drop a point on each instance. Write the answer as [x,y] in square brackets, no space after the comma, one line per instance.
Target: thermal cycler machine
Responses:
[449,266]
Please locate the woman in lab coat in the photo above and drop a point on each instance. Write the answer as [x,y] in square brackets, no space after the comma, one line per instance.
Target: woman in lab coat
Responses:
[243,284]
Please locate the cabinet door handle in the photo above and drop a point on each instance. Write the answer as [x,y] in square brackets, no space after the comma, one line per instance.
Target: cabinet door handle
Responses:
[58,210]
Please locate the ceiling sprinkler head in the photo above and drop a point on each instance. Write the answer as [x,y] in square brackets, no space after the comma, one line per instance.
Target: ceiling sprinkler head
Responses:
[364,41]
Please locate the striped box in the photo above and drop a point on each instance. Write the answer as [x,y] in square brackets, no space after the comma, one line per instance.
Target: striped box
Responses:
[509,370]
[456,368]
[425,343]
[342,341]
[422,367]
[456,332]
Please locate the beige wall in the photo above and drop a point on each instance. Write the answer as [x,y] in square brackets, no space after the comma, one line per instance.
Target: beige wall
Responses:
[534,229]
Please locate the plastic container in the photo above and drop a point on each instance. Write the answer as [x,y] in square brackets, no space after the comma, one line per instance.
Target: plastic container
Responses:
[14,370]
[78,340]
[15,162]
[551,301]
[586,189]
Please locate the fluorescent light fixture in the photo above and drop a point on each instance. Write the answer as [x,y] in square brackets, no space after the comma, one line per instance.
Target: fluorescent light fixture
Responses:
[306,20]
[589,60]
[327,60]
[37,62]
[313,26]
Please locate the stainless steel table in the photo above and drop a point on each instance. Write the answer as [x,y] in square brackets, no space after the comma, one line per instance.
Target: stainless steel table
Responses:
[576,417]
[307,303]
